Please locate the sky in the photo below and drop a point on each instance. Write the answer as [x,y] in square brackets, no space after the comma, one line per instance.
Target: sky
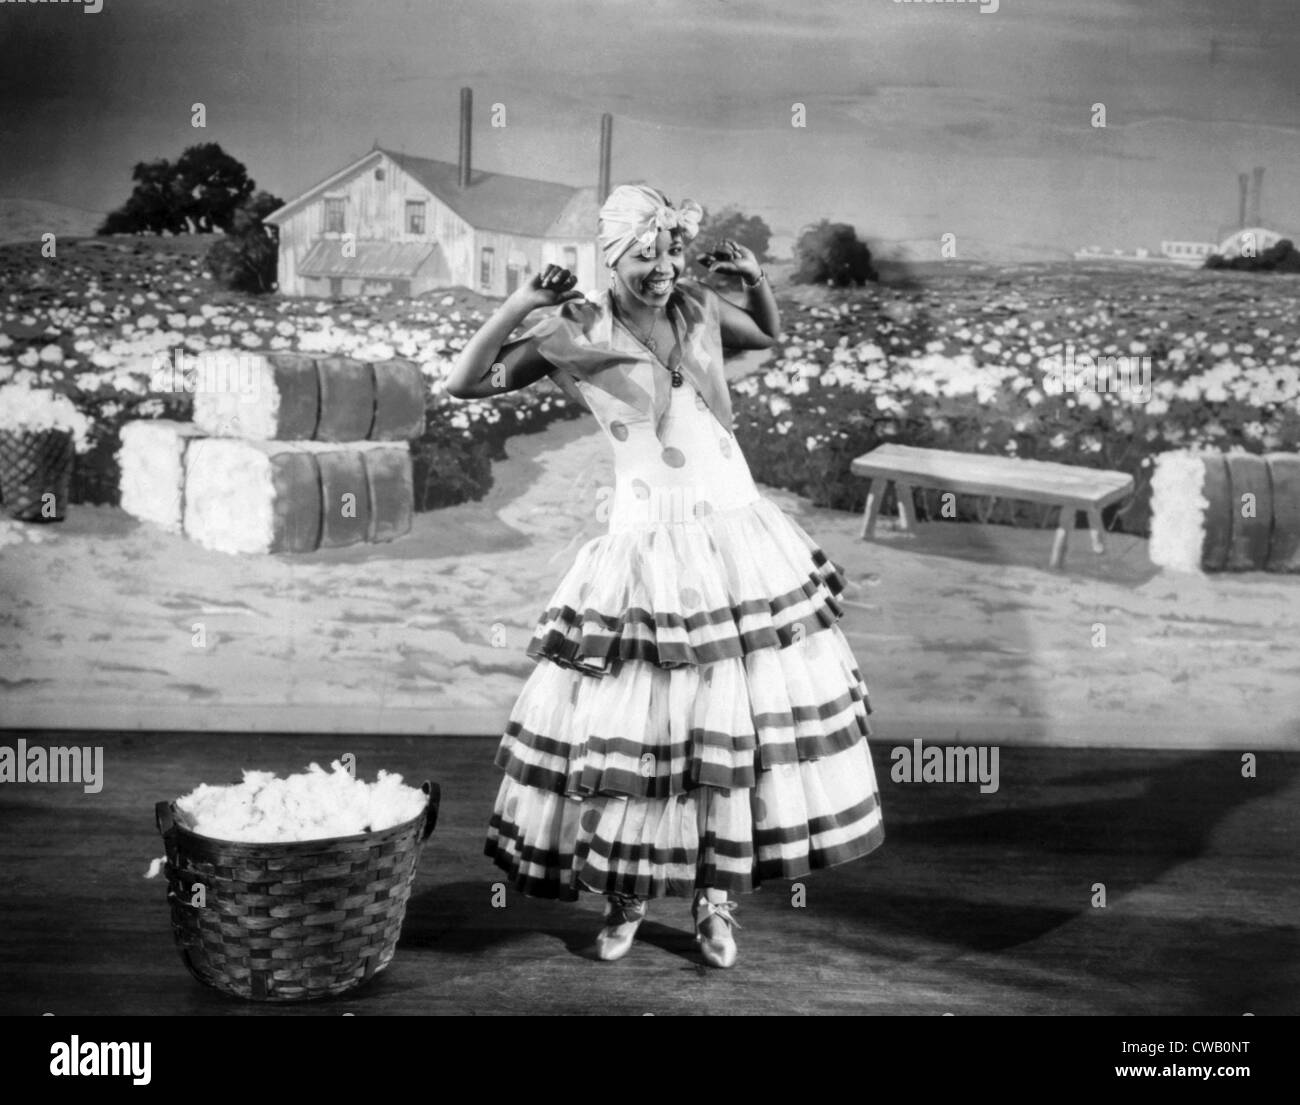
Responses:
[922,119]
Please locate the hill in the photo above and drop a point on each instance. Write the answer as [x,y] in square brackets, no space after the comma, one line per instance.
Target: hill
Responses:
[25,220]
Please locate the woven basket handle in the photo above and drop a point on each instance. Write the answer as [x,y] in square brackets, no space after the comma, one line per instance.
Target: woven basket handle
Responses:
[434,791]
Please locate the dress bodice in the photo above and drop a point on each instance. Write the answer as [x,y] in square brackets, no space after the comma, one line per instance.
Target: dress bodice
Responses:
[675,456]
[691,467]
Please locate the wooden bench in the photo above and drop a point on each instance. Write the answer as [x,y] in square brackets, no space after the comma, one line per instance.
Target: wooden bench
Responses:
[1071,487]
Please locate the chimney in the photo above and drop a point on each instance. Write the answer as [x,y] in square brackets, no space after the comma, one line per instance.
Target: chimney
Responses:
[466,106]
[1243,188]
[1254,200]
[606,142]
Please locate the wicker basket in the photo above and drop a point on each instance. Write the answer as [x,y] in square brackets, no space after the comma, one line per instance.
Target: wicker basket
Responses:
[33,465]
[295,921]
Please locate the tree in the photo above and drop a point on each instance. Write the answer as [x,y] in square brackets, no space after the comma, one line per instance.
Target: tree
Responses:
[1281,257]
[244,260]
[830,253]
[198,194]
[729,222]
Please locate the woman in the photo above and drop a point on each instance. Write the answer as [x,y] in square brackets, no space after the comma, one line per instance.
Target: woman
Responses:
[695,722]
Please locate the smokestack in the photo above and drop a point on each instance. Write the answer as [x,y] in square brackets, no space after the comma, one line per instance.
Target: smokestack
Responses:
[1255,200]
[466,107]
[1243,187]
[606,143]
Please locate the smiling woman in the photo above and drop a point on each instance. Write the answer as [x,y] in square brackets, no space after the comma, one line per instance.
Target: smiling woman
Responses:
[695,721]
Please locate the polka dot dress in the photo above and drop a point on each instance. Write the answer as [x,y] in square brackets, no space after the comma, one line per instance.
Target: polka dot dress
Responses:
[691,469]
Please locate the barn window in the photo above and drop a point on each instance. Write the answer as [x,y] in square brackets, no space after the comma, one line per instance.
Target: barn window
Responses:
[485,269]
[379,174]
[415,216]
[571,258]
[334,216]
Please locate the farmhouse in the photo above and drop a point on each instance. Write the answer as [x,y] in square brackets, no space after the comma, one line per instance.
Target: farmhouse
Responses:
[392,223]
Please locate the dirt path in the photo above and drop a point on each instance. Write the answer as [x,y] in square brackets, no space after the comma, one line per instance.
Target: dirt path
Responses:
[960,630]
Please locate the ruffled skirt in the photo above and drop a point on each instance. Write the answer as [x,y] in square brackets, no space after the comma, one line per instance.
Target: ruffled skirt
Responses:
[696,718]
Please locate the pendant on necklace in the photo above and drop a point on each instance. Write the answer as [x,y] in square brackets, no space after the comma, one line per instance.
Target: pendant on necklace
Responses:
[677,379]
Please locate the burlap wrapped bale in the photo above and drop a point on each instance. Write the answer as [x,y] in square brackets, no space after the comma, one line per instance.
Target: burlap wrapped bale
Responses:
[296,397]
[152,465]
[275,496]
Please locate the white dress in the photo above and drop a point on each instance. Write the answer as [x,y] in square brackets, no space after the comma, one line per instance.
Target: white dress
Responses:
[696,717]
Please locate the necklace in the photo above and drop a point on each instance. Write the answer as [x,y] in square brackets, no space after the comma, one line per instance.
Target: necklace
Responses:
[650,343]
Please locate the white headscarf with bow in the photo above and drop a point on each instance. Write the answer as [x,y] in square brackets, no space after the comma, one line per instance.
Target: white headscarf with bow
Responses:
[635,214]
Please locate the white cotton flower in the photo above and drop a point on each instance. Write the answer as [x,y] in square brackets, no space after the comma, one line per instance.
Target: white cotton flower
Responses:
[177,321]
[1218,349]
[24,409]
[1156,407]
[52,354]
[29,358]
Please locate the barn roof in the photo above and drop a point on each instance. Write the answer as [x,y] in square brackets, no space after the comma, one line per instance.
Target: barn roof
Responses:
[510,204]
[493,201]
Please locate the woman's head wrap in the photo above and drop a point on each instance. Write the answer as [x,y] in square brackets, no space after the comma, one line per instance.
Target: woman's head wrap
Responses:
[635,214]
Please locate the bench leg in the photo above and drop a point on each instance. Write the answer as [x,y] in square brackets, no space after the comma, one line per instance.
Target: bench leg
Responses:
[872,511]
[906,509]
[1062,538]
[1095,525]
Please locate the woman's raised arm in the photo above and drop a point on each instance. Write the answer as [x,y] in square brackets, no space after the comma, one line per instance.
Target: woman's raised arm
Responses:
[486,366]
[757,324]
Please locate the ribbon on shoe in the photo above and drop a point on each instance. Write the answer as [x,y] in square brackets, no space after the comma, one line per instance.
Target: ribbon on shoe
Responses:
[580,338]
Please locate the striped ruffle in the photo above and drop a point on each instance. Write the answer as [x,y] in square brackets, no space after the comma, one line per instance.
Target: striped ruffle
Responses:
[652,732]
[796,818]
[726,585]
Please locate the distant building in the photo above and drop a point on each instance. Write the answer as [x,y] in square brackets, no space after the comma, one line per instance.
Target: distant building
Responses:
[392,223]
[1175,253]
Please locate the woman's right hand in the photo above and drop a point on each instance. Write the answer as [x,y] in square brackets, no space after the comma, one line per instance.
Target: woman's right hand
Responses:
[546,289]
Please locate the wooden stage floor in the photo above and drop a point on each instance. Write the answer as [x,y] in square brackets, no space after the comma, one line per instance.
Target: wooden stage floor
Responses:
[975,904]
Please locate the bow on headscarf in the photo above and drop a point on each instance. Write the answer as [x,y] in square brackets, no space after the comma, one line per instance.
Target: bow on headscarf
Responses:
[635,214]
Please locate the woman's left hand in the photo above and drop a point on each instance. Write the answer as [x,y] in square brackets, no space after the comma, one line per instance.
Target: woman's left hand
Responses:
[732,259]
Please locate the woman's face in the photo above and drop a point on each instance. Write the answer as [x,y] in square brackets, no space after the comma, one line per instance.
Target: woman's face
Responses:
[649,276]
